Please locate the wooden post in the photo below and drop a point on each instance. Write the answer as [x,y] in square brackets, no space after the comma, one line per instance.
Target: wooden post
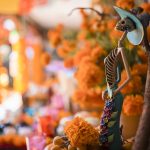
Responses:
[143,132]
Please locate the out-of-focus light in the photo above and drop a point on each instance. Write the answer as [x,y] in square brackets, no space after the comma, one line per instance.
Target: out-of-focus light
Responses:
[4,51]
[9,24]
[13,102]
[2,113]
[29,52]
[13,37]
[13,65]
[9,130]
[4,79]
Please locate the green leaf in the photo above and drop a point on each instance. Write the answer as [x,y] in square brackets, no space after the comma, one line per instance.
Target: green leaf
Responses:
[114,115]
[111,123]
[111,138]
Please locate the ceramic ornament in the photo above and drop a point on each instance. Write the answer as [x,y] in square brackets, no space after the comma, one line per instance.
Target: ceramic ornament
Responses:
[135,23]
[110,135]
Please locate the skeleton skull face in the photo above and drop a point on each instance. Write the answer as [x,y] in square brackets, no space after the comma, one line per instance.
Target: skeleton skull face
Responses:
[125,24]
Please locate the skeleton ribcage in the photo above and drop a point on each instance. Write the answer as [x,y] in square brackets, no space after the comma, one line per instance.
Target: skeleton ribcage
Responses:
[111,67]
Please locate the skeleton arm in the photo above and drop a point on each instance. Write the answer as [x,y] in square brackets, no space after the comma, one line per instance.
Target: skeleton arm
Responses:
[125,62]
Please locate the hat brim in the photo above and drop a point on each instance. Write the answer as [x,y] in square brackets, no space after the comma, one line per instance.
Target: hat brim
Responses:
[135,36]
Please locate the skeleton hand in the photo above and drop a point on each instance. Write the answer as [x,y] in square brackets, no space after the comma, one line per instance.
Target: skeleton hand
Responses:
[105,95]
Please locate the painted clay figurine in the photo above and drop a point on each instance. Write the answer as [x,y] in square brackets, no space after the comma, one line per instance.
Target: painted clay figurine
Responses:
[110,136]
[139,21]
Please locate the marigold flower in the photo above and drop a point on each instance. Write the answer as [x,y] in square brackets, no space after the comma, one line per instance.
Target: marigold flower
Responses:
[88,99]
[69,62]
[125,4]
[146,7]
[133,105]
[65,48]
[82,35]
[79,133]
[85,17]
[80,55]
[139,69]
[98,52]
[89,74]
[131,87]
[142,55]
[107,8]
[55,35]
[111,24]
[45,58]
[115,35]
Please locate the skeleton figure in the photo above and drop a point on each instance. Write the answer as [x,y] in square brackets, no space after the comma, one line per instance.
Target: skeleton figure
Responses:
[110,136]
[125,25]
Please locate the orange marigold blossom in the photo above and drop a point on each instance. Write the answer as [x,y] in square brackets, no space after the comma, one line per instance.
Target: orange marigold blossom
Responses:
[131,87]
[62,52]
[111,24]
[85,18]
[146,7]
[125,4]
[98,52]
[79,133]
[89,74]
[133,105]
[69,62]
[107,9]
[88,99]
[55,35]
[45,58]
[83,14]
[65,48]
[139,69]
[82,35]
[94,23]
[141,53]
[16,140]
[115,35]
[80,55]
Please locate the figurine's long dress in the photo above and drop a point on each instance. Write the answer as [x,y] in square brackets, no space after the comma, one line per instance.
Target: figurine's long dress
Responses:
[110,136]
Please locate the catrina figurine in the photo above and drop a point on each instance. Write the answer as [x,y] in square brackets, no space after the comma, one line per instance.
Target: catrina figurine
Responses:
[110,134]
[138,21]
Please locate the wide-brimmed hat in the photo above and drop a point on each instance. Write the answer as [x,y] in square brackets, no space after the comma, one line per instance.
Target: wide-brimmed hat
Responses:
[135,36]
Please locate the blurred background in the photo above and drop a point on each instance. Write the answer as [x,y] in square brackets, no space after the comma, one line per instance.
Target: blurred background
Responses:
[51,68]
